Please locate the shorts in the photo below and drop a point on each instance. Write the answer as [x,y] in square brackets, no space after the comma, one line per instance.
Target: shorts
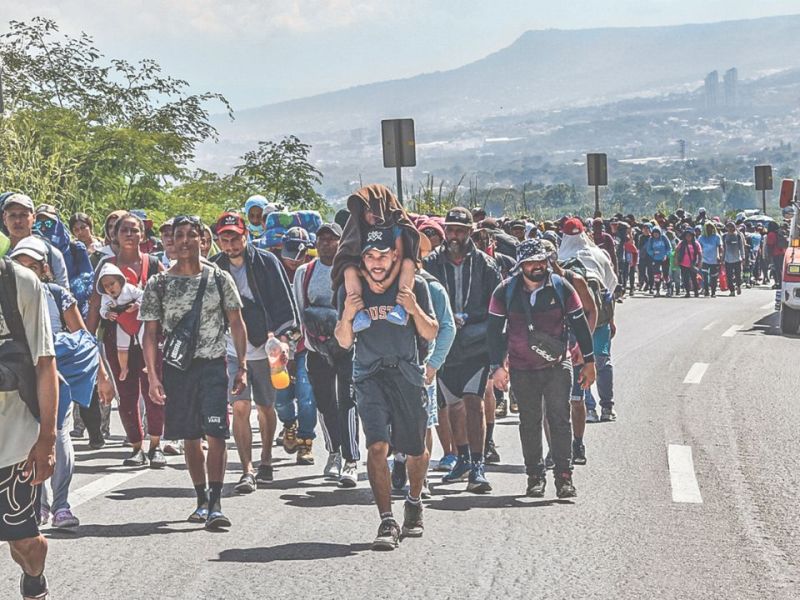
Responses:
[19,504]
[392,410]
[468,378]
[432,405]
[197,400]
[578,393]
[259,385]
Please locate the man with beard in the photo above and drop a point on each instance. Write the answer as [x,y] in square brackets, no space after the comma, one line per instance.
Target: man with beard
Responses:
[469,276]
[389,377]
[539,308]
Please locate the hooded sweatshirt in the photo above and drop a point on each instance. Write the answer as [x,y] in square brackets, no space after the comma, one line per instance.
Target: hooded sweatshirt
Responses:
[658,248]
[130,294]
[596,261]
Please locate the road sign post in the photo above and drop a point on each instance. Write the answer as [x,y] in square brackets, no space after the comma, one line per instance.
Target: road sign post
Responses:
[763,175]
[399,148]
[597,170]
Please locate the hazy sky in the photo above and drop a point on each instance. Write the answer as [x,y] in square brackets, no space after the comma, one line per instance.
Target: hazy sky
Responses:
[262,51]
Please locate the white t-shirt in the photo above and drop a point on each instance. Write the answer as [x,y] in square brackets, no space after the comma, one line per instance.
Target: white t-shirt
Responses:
[18,428]
[239,275]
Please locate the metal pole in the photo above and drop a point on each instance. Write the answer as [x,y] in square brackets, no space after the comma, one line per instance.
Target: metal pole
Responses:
[597,201]
[1,89]
[398,153]
[764,201]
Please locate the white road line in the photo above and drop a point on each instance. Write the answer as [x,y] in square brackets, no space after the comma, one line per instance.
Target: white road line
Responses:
[102,485]
[695,374]
[710,325]
[731,331]
[681,475]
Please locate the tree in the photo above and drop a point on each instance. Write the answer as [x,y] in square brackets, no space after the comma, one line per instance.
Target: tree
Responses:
[282,172]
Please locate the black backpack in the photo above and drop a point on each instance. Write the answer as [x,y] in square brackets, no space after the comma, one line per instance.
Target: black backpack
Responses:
[17,371]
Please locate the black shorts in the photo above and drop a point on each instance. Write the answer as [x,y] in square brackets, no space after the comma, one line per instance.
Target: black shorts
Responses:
[197,400]
[393,410]
[19,504]
[466,378]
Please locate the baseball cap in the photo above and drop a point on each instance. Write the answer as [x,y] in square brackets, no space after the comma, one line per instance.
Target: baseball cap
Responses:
[379,239]
[516,223]
[20,199]
[30,246]
[295,243]
[458,216]
[573,226]
[167,223]
[48,210]
[231,221]
[332,228]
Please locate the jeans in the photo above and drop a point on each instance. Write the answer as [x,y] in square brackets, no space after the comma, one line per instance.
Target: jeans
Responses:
[710,277]
[62,472]
[336,403]
[734,273]
[689,280]
[605,384]
[296,402]
[553,385]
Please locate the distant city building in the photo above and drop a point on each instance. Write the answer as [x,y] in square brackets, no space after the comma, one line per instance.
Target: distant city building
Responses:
[712,90]
[731,79]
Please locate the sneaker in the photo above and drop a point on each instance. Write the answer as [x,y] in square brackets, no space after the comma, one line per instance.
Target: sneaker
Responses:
[216,520]
[535,487]
[591,416]
[137,459]
[96,443]
[362,321]
[388,537]
[290,438]
[76,434]
[491,457]
[478,484]
[279,439]
[173,448]
[349,477]
[446,463]
[399,476]
[564,486]
[44,517]
[412,520]
[549,463]
[459,471]
[501,410]
[304,454]
[33,587]
[333,468]
[608,414]
[64,519]
[264,474]
[397,316]
[157,458]
[578,453]
[246,485]
[200,514]
[426,490]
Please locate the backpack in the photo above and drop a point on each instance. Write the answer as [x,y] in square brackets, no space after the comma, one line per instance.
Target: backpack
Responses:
[780,240]
[17,371]
[319,323]
[603,298]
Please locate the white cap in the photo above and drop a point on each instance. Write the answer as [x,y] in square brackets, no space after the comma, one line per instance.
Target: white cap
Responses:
[20,199]
[30,246]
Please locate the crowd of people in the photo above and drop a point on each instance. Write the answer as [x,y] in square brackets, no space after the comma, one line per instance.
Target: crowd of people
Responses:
[381,323]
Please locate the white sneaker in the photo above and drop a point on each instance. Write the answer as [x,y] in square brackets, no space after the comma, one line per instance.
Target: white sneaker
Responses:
[44,517]
[349,477]
[333,468]
[426,490]
[64,519]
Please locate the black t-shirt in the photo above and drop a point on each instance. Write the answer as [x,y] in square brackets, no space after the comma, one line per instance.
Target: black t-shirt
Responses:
[384,340]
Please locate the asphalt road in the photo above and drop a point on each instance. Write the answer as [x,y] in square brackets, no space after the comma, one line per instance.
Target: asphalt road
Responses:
[625,536]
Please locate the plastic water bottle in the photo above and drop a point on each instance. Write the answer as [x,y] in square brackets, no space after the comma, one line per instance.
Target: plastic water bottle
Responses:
[277,367]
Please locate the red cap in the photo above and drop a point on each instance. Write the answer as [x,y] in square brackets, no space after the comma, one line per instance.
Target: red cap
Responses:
[572,226]
[231,221]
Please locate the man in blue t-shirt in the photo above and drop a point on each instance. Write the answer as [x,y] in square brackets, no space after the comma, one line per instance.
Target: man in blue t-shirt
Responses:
[389,379]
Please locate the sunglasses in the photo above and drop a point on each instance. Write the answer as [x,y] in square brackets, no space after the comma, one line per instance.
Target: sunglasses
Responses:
[192,220]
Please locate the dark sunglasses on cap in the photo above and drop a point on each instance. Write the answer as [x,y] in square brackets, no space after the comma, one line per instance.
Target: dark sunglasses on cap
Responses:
[192,220]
